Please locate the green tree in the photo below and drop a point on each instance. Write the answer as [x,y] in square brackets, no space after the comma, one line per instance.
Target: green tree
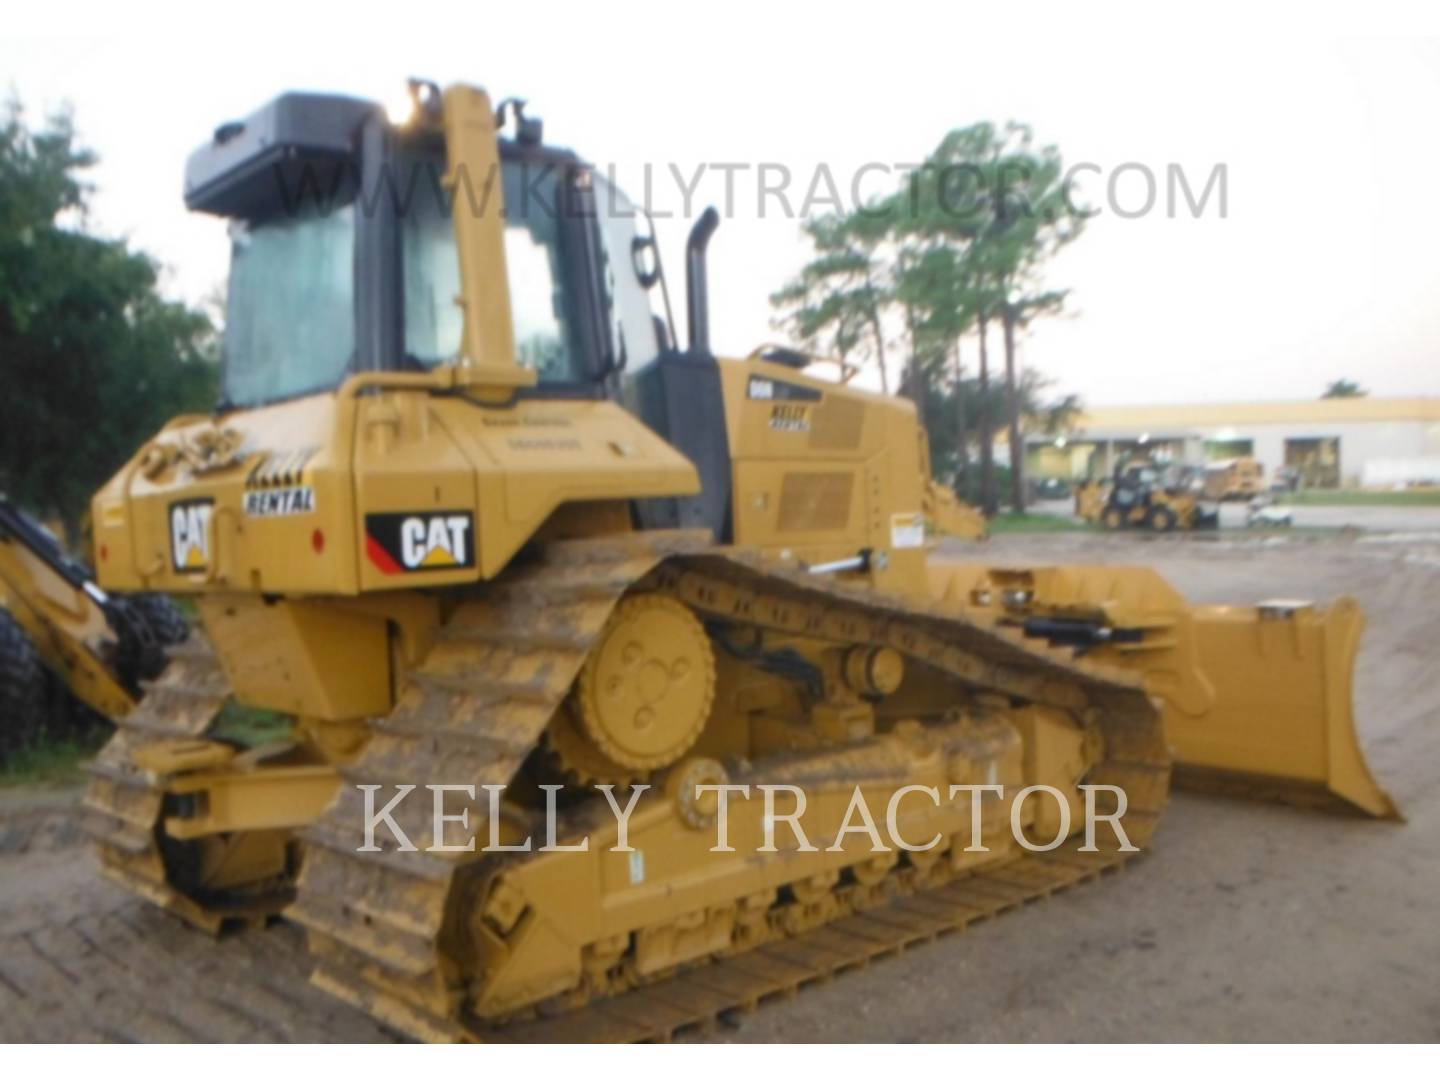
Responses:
[960,247]
[935,288]
[93,359]
[835,304]
[1028,214]
[960,176]
[935,220]
[1344,388]
[1040,411]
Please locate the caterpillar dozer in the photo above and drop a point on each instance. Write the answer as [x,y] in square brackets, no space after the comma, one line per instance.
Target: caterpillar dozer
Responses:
[469,517]
[68,650]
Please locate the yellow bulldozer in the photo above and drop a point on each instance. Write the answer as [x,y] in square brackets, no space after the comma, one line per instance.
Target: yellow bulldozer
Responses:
[548,601]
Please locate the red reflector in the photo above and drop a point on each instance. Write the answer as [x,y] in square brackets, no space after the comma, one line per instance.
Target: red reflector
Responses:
[104,553]
[317,541]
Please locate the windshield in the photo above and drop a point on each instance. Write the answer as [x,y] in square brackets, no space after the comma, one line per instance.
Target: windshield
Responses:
[290,317]
[539,263]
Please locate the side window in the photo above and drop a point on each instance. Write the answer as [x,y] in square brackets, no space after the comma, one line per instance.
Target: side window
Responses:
[536,259]
[632,326]
[539,334]
[434,321]
[290,311]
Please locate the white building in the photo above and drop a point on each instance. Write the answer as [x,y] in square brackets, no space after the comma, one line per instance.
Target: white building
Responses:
[1331,442]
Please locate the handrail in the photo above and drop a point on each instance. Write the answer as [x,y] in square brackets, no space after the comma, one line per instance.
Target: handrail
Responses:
[443,378]
[847,370]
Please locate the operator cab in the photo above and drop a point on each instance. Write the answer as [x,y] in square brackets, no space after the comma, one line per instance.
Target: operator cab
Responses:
[344,259]
[344,255]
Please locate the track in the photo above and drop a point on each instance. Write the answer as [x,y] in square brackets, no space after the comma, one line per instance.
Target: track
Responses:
[480,703]
[123,803]
[696,999]
[471,714]
[1236,925]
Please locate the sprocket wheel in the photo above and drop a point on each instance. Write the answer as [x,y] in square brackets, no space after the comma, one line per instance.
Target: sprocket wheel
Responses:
[644,694]
[579,758]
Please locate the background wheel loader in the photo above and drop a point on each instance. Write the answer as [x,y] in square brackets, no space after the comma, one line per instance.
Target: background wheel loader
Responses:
[1241,478]
[469,515]
[1143,494]
[69,652]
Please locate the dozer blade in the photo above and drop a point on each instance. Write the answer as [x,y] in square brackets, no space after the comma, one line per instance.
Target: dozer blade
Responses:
[1276,719]
[1258,698]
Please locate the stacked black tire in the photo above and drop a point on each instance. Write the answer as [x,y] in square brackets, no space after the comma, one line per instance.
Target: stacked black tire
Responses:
[165,619]
[35,704]
[145,624]
[23,688]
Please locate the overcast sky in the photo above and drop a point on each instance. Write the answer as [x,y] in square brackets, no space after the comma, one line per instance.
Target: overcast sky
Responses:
[1326,263]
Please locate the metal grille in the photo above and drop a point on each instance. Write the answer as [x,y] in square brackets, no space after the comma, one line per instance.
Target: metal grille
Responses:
[815,502]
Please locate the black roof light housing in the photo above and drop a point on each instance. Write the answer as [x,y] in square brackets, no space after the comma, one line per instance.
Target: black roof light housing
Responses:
[299,146]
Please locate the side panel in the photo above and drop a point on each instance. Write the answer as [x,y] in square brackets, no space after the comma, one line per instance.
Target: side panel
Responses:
[416,498]
[682,398]
[822,472]
[307,657]
[365,489]
[448,490]
[258,500]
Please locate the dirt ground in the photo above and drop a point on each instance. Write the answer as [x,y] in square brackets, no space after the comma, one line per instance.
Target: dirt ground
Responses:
[1246,922]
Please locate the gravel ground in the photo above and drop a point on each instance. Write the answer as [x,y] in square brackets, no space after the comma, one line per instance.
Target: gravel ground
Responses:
[1246,922]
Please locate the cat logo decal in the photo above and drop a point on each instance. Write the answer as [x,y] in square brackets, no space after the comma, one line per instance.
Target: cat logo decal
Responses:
[410,543]
[190,534]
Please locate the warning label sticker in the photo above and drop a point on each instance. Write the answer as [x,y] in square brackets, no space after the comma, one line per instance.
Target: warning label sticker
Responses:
[907,530]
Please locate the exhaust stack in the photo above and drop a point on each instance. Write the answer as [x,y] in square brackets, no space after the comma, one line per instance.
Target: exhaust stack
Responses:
[697,287]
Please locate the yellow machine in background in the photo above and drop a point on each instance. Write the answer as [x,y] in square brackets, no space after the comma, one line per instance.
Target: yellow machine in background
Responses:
[60,635]
[1237,478]
[947,515]
[472,517]
[1145,495]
